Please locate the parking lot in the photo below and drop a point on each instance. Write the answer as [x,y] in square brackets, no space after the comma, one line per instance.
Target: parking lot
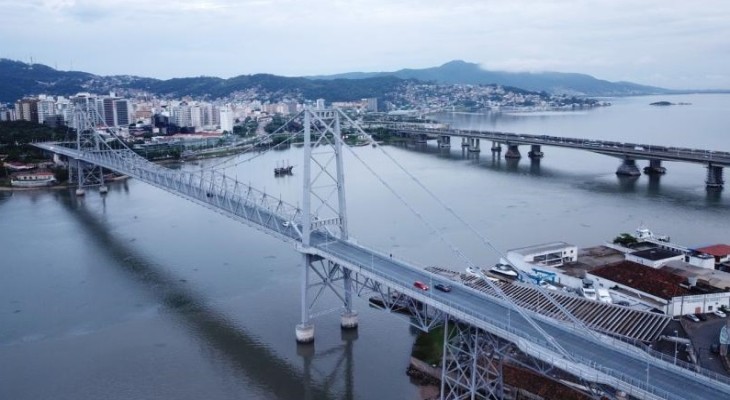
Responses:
[703,335]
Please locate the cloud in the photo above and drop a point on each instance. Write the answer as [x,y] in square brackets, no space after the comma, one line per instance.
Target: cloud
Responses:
[611,39]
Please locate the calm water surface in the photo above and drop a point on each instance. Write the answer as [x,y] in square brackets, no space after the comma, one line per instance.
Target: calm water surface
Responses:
[141,294]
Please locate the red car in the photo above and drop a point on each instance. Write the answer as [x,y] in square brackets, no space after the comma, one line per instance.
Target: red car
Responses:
[420,285]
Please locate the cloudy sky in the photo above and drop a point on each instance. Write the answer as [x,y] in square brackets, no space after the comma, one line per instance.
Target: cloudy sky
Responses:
[673,44]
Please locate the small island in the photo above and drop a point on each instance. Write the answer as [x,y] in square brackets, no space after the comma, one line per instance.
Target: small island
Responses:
[667,103]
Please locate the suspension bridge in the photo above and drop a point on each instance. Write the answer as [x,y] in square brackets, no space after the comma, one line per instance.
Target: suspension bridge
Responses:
[482,323]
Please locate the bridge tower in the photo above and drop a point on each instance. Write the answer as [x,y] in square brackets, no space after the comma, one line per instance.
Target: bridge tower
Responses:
[323,209]
[85,119]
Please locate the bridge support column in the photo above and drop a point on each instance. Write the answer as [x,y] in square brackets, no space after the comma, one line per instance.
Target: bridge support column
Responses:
[628,168]
[464,142]
[714,177]
[535,151]
[305,331]
[655,168]
[103,189]
[80,178]
[513,151]
[496,148]
[348,319]
[471,367]
[444,141]
[474,145]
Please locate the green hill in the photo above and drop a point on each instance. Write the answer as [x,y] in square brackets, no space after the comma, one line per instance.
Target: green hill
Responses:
[18,79]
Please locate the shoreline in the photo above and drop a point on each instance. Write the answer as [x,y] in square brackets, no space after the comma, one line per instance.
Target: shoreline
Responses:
[54,187]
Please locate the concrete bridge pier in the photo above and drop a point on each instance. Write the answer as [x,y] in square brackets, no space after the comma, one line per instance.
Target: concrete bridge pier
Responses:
[496,147]
[714,177]
[305,331]
[628,168]
[348,319]
[444,141]
[79,176]
[535,166]
[474,145]
[655,168]
[513,151]
[464,142]
[535,152]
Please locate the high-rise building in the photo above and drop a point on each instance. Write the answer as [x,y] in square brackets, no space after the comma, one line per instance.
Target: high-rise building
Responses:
[226,118]
[122,112]
[373,104]
[108,112]
[196,117]
[320,104]
[7,114]
[215,116]
[27,110]
[47,111]
[291,107]
[181,115]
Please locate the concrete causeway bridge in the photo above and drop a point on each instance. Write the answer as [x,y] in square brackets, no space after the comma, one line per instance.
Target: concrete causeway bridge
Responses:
[485,324]
[629,153]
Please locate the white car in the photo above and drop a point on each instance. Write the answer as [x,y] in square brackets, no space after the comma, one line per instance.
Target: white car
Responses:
[719,313]
[692,318]
[286,224]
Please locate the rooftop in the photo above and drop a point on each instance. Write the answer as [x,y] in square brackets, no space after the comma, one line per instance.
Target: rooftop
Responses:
[717,250]
[656,254]
[590,258]
[541,248]
[656,282]
[715,278]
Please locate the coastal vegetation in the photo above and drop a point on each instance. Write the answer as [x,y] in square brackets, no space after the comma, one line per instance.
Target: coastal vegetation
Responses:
[625,239]
[15,137]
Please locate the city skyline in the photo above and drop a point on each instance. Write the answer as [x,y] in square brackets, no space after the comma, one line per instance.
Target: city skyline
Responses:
[670,44]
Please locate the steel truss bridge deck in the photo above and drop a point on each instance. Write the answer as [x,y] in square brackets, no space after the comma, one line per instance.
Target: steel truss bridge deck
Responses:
[592,356]
[616,149]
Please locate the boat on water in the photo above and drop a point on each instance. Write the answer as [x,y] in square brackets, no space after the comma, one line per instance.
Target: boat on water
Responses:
[35,179]
[504,269]
[283,169]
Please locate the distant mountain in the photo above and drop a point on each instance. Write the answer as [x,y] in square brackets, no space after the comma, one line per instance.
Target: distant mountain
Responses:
[551,82]
[18,79]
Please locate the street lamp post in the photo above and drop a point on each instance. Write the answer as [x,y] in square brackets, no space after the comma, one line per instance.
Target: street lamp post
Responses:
[648,356]
[675,347]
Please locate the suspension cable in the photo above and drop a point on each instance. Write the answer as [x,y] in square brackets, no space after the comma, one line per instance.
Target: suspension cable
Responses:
[453,247]
[472,229]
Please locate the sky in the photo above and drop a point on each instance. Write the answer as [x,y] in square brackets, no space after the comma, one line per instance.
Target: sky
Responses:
[666,43]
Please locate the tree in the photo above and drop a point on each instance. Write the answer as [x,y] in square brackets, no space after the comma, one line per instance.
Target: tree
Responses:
[625,239]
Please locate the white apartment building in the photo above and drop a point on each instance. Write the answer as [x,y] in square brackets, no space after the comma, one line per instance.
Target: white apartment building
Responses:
[226,119]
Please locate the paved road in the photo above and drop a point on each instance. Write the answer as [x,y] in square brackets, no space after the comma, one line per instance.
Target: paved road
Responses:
[628,365]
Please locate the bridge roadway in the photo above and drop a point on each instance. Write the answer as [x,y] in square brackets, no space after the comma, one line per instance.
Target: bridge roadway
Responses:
[616,149]
[592,356]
